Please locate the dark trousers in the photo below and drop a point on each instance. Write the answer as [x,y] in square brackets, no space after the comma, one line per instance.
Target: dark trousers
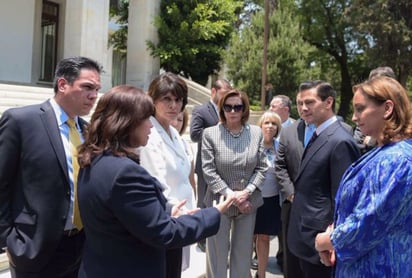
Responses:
[315,270]
[64,263]
[201,191]
[291,265]
[174,263]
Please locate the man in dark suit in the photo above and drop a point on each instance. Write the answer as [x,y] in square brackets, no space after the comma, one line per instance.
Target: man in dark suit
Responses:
[37,187]
[204,116]
[324,160]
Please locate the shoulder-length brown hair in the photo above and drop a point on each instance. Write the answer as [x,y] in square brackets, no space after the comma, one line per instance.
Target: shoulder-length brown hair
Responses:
[398,125]
[245,102]
[118,112]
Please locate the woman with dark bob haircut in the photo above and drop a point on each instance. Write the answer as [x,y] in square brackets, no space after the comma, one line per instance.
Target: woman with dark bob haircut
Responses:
[126,218]
[165,158]
[372,232]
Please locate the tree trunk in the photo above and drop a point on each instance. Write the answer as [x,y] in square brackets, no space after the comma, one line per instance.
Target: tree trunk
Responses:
[346,91]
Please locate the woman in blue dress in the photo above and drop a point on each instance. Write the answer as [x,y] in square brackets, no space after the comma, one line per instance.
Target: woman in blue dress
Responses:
[372,232]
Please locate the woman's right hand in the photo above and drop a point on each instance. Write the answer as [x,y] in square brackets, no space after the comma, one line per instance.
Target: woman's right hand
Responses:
[245,207]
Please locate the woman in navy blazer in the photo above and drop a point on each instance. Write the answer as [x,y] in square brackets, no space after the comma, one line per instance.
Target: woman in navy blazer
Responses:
[125,215]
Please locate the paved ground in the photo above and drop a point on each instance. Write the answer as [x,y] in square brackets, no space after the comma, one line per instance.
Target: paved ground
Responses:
[198,264]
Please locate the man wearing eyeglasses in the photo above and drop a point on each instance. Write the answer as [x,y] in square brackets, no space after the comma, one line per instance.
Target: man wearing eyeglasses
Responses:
[204,116]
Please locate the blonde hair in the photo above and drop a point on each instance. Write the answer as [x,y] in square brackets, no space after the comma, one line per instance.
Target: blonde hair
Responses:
[272,116]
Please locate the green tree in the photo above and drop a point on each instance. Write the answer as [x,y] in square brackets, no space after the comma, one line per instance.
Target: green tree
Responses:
[384,31]
[193,35]
[290,59]
[120,13]
[326,27]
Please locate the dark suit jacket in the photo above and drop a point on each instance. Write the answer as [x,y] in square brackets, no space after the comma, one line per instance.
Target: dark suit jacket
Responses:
[34,185]
[127,227]
[319,175]
[289,154]
[203,116]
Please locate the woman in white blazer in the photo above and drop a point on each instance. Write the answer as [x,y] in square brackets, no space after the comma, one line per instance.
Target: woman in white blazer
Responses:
[164,156]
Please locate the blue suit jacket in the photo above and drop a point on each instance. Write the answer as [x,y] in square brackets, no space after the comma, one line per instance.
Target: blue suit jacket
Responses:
[126,222]
[316,184]
[34,185]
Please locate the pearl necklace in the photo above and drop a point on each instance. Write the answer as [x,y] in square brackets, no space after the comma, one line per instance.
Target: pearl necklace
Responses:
[237,135]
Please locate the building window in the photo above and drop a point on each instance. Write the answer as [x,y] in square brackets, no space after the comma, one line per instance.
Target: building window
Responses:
[49,26]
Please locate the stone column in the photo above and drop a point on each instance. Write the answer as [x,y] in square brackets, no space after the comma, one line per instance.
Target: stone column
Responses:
[141,67]
[86,34]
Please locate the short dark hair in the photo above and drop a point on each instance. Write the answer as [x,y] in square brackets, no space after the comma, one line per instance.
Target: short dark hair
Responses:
[245,101]
[220,83]
[168,83]
[117,113]
[286,102]
[382,71]
[323,90]
[69,69]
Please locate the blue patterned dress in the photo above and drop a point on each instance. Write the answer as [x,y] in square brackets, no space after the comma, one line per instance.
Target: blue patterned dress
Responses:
[373,217]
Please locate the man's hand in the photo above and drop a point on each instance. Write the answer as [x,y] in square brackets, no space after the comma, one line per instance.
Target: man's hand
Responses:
[327,258]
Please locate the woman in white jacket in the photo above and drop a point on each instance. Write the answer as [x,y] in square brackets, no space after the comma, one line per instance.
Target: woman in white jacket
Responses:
[164,156]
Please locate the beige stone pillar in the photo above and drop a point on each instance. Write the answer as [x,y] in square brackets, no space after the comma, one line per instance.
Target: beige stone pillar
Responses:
[141,67]
[86,33]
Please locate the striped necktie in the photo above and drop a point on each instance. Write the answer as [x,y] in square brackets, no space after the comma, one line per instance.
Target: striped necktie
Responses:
[74,139]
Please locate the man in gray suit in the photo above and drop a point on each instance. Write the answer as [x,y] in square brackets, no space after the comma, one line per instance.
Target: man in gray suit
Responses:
[290,149]
[204,116]
[324,160]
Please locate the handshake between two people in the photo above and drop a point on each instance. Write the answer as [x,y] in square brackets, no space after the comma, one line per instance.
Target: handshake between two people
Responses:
[323,245]
[237,198]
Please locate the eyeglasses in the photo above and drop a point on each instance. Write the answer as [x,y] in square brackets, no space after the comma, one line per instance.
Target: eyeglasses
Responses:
[228,108]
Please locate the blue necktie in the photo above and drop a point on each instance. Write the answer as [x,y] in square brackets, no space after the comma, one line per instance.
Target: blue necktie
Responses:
[309,129]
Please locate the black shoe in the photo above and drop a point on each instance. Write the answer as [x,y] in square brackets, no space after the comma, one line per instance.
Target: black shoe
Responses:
[254,264]
[202,246]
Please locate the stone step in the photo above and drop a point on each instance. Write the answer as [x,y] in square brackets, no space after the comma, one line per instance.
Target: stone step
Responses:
[4,262]
[18,95]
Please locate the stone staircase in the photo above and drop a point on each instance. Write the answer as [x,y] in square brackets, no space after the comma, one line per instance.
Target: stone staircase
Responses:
[20,95]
